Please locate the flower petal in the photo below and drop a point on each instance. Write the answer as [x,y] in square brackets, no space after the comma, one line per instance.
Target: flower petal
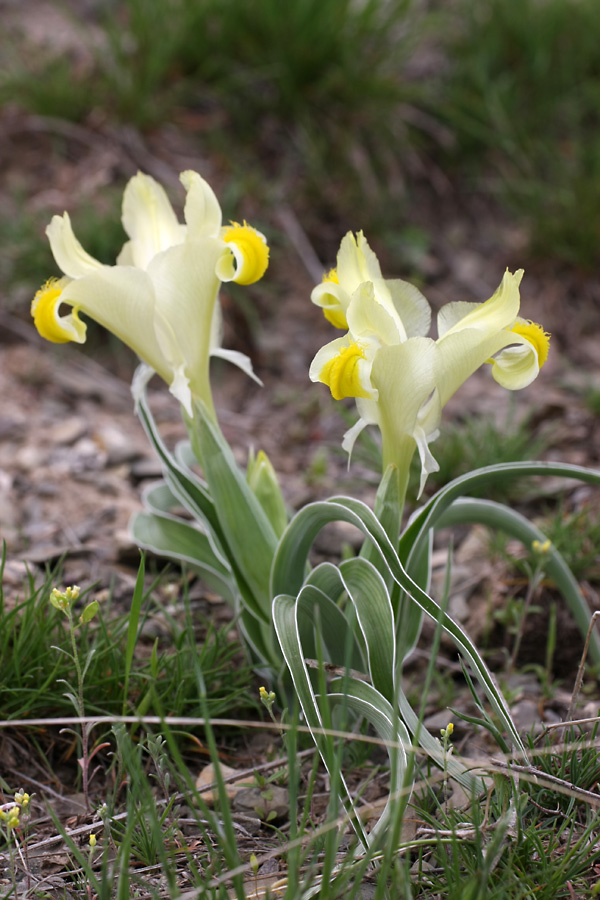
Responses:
[121,299]
[51,325]
[369,321]
[345,368]
[202,211]
[351,435]
[149,219]
[462,353]
[250,254]
[517,365]
[412,307]
[238,359]
[333,300]
[356,262]
[405,376]
[70,256]
[186,288]
[500,311]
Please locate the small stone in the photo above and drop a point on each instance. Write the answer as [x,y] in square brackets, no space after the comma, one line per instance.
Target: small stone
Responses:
[269,803]
[67,431]
[15,573]
[146,468]
[207,776]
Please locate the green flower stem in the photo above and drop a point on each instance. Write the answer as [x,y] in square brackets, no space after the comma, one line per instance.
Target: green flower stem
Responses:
[85,727]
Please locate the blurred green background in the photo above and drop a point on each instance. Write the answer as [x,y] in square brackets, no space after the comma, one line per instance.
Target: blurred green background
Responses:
[368,114]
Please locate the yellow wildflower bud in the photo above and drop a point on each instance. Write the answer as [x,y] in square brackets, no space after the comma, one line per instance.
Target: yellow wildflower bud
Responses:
[63,600]
[92,841]
[541,547]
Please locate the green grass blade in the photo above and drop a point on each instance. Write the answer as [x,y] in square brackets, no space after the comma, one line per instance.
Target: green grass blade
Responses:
[132,628]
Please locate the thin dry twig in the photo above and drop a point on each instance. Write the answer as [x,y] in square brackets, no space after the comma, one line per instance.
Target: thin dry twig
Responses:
[530,773]
[581,669]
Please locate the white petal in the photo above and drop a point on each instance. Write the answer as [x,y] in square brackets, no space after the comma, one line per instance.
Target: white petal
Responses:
[498,312]
[125,257]
[463,352]
[356,262]
[186,290]
[180,388]
[238,359]
[411,306]
[202,211]
[70,256]
[516,366]
[148,219]
[326,354]
[428,462]
[329,295]
[121,299]
[406,377]
[368,320]
[351,436]
[452,313]
[228,262]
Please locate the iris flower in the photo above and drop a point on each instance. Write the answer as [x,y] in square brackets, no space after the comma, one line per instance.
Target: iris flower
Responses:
[400,377]
[161,298]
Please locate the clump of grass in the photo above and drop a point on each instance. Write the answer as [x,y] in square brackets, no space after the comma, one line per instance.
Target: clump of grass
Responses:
[481,441]
[577,536]
[160,679]
[525,837]
[521,95]
[319,94]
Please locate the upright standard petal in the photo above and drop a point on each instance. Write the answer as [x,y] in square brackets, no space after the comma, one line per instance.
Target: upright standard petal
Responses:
[149,220]
[202,212]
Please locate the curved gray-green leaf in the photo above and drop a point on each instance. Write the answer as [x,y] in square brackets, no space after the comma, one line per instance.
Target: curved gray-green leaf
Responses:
[176,539]
[496,515]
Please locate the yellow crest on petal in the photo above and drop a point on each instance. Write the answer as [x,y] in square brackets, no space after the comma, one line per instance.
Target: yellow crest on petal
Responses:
[253,252]
[51,326]
[537,337]
[337,317]
[332,275]
[342,373]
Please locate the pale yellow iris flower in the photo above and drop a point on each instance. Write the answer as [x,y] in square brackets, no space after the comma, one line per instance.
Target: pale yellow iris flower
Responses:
[401,378]
[161,298]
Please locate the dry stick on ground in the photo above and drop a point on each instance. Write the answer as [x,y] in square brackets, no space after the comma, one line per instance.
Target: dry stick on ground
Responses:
[530,773]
